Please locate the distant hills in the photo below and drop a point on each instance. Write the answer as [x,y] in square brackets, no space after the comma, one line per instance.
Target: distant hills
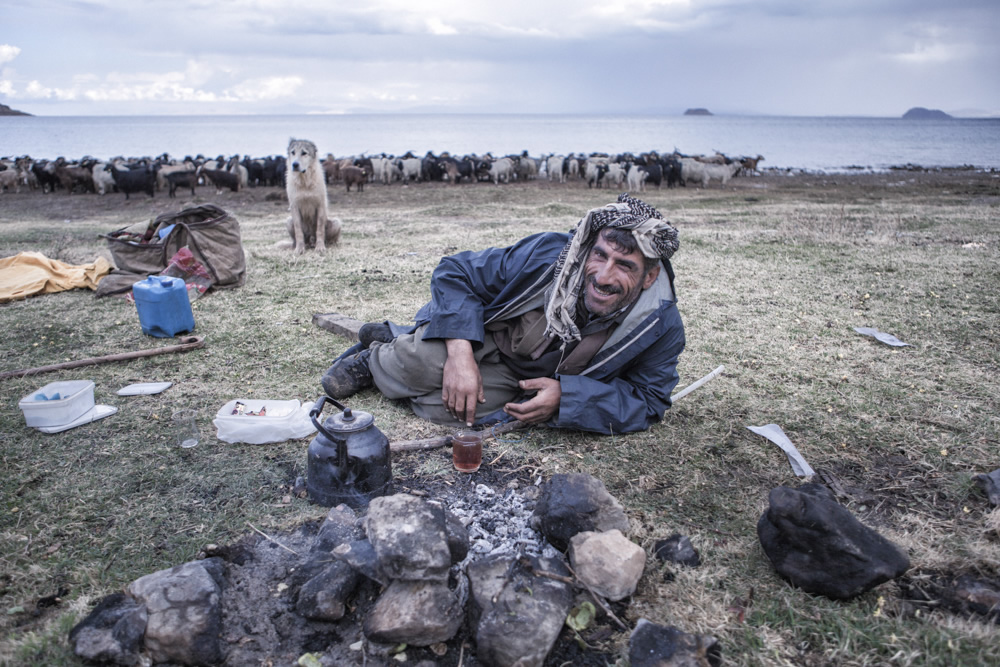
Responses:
[7,111]
[920,113]
[698,112]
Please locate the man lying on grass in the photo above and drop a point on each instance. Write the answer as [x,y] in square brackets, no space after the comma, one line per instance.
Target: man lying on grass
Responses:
[574,331]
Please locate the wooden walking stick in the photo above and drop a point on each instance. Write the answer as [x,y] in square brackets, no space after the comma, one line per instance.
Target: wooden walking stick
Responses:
[507,427]
[187,343]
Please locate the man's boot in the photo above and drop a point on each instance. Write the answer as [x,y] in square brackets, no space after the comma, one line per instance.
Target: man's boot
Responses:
[348,376]
[374,332]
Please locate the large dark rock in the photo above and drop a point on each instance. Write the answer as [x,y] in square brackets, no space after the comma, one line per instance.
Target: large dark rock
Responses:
[339,527]
[420,613]
[518,615]
[576,503]
[652,645]
[361,556]
[324,583]
[818,545]
[112,632]
[457,536]
[410,538]
[677,549]
[324,596]
[185,616]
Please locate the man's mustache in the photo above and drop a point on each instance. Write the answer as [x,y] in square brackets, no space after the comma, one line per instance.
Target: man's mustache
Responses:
[607,289]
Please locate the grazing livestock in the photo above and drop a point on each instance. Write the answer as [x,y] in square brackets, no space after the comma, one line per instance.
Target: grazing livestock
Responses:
[104,182]
[141,179]
[594,172]
[614,176]
[233,166]
[11,179]
[365,163]
[718,158]
[72,176]
[255,171]
[186,179]
[431,168]
[161,173]
[455,170]
[694,171]
[331,169]
[636,178]
[672,171]
[750,165]
[526,168]
[353,175]
[722,172]
[571,167]
[410,169]
[654,174]
[554,166]
[502,170]
[221,179]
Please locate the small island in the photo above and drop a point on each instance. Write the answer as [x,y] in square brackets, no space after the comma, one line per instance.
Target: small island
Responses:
[920,113]
[698,111]
[7,111]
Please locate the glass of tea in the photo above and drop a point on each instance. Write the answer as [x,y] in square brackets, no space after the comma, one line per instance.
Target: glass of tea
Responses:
[467,450]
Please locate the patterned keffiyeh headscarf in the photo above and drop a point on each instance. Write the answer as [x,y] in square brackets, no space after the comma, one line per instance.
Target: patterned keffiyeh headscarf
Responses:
[656,238]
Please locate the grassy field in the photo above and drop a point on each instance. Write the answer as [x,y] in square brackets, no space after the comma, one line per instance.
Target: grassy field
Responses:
[773,274]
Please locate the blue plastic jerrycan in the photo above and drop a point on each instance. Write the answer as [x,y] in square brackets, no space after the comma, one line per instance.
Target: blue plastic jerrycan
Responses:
[163,305]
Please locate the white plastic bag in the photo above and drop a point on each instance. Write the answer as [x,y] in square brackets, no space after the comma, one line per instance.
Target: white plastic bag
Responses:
[283,420]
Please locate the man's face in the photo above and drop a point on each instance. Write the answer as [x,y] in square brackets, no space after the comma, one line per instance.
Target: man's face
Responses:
[614,279]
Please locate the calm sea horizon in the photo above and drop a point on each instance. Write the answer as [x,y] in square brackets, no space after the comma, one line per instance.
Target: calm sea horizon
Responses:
[808,143]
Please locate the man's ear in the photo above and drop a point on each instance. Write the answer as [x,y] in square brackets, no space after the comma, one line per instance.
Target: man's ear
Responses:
[651,277]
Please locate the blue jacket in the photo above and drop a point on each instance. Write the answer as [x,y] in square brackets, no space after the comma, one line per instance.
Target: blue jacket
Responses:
[628,383]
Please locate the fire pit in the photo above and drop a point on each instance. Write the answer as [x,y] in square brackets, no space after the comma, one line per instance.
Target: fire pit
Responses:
[342,591]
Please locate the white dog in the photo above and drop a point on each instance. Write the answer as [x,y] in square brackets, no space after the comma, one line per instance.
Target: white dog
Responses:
[310,224]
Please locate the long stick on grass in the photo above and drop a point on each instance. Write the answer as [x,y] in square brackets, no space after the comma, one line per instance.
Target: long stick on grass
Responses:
[187,343]
[507,427]
[697,383]
[443,440]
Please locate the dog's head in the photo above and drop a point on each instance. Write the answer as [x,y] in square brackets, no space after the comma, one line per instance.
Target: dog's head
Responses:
[301,154]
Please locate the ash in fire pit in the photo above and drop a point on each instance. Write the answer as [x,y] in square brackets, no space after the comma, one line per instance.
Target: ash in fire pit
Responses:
[499,523]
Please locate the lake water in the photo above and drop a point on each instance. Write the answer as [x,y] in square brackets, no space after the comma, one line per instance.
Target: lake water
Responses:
[820,144]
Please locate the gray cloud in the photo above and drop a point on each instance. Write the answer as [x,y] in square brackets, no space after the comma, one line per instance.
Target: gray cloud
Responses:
[734,56]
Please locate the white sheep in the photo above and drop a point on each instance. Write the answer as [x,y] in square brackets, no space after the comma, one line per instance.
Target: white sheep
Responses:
[636,178]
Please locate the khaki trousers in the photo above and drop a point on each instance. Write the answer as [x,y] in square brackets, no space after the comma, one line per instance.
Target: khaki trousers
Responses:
[412,368]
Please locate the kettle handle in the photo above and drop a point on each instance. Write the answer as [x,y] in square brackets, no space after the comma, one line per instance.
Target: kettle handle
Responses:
[340,442]
[318,408]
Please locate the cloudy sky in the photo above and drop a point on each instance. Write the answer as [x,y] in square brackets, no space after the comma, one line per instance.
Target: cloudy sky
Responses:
[779,57]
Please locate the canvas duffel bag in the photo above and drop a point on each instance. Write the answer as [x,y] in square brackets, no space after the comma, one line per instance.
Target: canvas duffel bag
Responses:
[212,235]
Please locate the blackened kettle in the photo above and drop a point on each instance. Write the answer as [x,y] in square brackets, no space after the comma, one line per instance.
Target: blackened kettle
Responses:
[349,459]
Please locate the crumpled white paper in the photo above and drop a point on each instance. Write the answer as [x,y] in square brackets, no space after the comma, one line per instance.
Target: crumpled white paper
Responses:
[774,433]
[888,339]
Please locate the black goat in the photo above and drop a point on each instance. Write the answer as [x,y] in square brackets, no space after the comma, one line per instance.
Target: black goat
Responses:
[222,179]
[187,179]
[140,179]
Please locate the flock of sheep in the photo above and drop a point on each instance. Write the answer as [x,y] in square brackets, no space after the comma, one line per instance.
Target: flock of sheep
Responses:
[149,175]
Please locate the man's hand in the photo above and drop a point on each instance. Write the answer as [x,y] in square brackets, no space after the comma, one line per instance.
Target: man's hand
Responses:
[462,385]
[542,406]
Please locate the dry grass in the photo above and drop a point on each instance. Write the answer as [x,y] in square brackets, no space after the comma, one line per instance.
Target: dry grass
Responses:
[773,274]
